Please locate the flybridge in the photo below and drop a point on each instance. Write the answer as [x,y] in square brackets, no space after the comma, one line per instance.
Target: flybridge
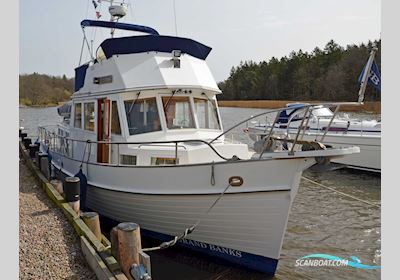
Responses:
[152,42]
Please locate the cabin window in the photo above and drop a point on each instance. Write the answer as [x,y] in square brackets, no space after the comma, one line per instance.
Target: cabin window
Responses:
[128,160]
[164,161]
[89,116]
[178,112]
[78,115]
[115,125]
[206,112]
[142,115]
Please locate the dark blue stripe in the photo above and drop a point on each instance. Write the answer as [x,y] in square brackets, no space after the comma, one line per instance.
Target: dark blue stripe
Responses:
[352,130]
[243,259]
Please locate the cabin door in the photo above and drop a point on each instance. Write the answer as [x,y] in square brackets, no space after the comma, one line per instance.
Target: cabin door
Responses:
[103,130]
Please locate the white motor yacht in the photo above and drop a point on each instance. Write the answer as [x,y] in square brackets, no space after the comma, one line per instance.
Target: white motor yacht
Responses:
[144,133]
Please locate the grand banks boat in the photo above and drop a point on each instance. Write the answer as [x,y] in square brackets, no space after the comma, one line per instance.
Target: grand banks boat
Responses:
[325,126]
[144,128]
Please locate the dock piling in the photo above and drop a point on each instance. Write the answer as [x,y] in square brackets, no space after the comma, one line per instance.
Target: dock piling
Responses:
[44,165]
[23,135]
[33,148]
[92,220]
[57,184]
[72,192]
[114,243]
[130,251]
[27,142]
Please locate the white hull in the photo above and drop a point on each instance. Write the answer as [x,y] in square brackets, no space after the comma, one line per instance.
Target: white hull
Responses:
[249,220]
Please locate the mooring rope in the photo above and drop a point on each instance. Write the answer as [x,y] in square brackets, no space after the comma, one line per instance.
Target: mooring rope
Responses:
[188,230]
[342,193]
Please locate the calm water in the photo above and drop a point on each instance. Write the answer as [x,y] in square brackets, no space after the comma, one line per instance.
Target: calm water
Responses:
[321,221]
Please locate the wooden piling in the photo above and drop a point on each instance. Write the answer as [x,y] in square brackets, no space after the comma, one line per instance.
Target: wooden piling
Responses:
[27,142]
[23,135]
[44,165]
[33,148]
[114,243]
[92,220]
[57,184]
[129,246]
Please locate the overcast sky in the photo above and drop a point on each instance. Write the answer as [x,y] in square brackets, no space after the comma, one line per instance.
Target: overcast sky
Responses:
[51,37]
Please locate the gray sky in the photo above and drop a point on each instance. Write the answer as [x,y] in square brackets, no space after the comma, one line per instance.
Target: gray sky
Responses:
[50,34]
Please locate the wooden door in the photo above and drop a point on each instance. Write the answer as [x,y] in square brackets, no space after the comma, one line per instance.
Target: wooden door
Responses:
[103,130]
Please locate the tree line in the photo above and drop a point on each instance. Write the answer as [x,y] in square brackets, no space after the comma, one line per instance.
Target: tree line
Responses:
[41,89]
[328,74]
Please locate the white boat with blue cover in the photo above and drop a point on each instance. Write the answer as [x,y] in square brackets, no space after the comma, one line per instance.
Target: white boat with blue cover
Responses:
[143,132]
[325,126]
[335,131]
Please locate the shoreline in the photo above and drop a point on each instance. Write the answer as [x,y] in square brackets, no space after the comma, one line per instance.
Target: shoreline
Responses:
[368,107]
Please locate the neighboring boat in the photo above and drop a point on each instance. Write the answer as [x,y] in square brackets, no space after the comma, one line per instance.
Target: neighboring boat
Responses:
[323,125]
[339,132]
[144,129]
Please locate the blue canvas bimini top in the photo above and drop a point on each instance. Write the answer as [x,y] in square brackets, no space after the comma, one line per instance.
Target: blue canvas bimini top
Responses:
[147,43]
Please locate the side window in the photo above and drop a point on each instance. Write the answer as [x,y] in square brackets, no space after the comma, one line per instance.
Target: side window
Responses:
[178,112]
[89,116]
[164,161]
[78,115]
[207,114]
[115,125]
[142,115]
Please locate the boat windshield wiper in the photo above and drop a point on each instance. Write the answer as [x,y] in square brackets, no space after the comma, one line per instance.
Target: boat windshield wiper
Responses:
[128,114]
[133,104]
[169,99]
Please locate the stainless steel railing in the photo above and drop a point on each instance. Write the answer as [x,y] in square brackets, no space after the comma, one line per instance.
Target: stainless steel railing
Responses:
[65,144]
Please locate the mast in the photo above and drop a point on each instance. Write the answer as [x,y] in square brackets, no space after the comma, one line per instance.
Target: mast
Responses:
[366,75]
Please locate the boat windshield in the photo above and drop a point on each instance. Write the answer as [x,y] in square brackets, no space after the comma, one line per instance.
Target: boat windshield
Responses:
[142,115]
[178,112]
[322,112]
[206,112]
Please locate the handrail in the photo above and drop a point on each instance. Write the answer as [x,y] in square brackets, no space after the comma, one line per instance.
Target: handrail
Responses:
[175,142]
[45,133]
[324,104]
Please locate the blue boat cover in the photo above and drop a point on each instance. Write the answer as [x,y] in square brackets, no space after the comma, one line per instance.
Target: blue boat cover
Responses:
[118,25]
[285,115]
[147,43]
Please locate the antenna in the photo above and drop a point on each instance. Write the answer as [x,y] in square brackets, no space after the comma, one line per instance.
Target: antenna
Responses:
[176,27]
